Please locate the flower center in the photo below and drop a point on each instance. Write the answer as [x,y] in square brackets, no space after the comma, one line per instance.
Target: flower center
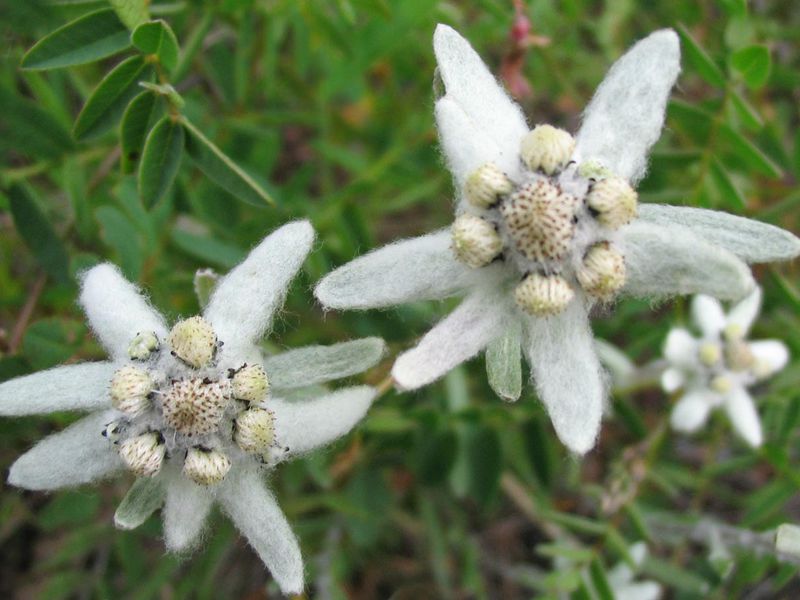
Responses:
[195,407]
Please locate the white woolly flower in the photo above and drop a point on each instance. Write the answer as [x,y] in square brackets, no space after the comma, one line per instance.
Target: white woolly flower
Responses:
[195,411]
[546,226]
[715,369]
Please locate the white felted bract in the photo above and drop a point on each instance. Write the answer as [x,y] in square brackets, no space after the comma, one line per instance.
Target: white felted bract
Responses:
[77,455]
[663,261]
[457,338]
[626,114]
[253,509]
[567,374]
[744,418]
[318,364]
[691,411]
[744,313]
[752,241]
[504,363]
[117,310]
[672,380]
[771,353]
[707,313]
[186,507]
[422,268]
[680,348]
[241,308]
[145,496]
[72,387]
[303,425]
[489,115]
[646,590]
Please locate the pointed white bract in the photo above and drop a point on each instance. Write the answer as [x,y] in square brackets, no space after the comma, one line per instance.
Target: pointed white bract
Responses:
[194,417]
[715,369]
[549,223]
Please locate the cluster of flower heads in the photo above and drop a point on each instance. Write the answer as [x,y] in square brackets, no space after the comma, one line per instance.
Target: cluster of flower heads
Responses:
[546,226]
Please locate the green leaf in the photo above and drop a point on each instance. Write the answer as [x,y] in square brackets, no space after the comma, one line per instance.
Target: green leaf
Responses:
[504,364]
[484,457]
[700,60]
[28,129]
[160,160]
[39,234]
[131,12]
[208,249]
[50,342]
[84,40]
[600,580]
[109,99]
[221,169]
[754,64]
[158,39]
[145,496]
[137,120]
[727,188]
[119,233]
[735,143]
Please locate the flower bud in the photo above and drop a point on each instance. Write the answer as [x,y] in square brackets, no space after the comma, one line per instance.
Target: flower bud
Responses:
[709,354]
[475,241]
[193,341]
[602,273]
[205,466]
[543,295]
[547,148]
[143,345]
[613,201]
[484,187]
[250,384]
[254,430]
[721,384]
[143,454]
[130,390]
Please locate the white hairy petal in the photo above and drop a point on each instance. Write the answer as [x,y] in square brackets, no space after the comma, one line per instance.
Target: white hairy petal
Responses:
[71,387]
[458,337]
[625,116]
[318,364]
[422,268]
[303,425]
[144,497]
[242,305]
[672,380]
[708,315]
[253,509]
[504,363]
[567,373]
[772,353]
[670,260]
[645,590]
[744,418]
[79,454]
[691,411]
[743,315]
[750,240]
[680,348]
[117,310]
[492,124]
[186,508]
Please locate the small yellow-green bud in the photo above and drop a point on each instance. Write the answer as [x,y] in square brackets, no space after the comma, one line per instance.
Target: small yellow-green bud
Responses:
[254,430]
[547,148]
[143,454]
[130,390]
[113,431]
[485,186]
[733,331]
[543,295]
[193,341]
[709,354]
[613,201]
[721,384]
[143,345]
[592,169]
[205,466]
[194,406]
[250,383]
[475,241]
[602,273]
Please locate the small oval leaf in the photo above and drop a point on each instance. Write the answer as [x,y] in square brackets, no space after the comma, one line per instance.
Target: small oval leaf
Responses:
[157,38]
[160,160]
[700,60]
[137,120]
[754,64]
[131,12]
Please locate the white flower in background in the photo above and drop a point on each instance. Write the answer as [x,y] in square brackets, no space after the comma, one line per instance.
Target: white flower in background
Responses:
[622,578]
[715,370]
[546,226]
[195,412]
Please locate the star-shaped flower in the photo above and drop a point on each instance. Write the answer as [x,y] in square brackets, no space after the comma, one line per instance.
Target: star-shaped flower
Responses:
[546,227]
[715,370]
[195,412]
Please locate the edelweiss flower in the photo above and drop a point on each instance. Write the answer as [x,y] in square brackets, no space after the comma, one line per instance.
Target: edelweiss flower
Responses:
[716,369]
[546,226]
[195,412]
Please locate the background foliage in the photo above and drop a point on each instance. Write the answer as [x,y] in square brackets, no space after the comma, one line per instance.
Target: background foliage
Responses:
[327,108]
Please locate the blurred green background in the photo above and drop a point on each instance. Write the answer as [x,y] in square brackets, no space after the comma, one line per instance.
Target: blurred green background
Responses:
[447,492]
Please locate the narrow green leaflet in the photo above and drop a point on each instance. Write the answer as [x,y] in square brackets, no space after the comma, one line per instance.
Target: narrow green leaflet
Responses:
[700,60]
[726,186]
[131,12]
[754,64]
[28,129]
[484,457]
[221,169]
[145,496]
[39,234]
[735,143]
[158,39]
[137,120]
[160,160]
[108,100]
[86,39]
[504,364]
